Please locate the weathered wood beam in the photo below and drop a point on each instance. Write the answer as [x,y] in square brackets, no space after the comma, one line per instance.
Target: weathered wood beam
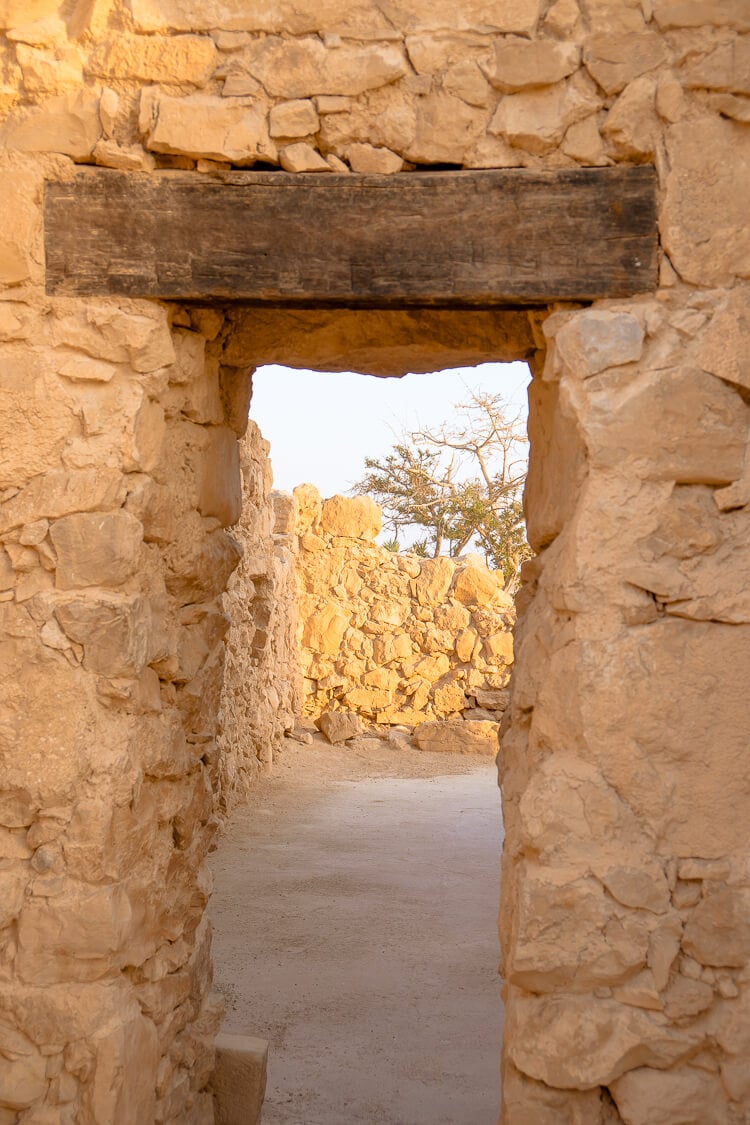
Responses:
[476,239]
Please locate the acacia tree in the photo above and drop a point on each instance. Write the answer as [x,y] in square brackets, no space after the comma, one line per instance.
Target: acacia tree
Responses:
[459,483]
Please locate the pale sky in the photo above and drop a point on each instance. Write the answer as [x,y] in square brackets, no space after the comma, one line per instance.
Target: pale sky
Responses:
[321,426]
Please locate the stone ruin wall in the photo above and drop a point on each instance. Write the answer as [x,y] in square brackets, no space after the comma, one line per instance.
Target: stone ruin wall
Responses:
[626,904]
[397,640]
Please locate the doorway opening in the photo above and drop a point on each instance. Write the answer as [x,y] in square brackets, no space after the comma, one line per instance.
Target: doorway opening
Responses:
[356,893]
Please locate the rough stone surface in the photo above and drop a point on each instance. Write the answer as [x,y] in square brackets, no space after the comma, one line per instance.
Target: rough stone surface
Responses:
[393,638]
[149,659]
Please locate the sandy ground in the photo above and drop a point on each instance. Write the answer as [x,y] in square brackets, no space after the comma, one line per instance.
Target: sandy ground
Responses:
[355,928]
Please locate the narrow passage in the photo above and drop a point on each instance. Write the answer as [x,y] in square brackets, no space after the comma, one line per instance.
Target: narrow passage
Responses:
[355,928]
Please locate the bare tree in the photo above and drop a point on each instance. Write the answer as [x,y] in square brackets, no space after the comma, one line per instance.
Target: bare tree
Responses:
[460,483]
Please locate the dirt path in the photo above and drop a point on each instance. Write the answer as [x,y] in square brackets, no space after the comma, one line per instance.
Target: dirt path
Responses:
[354,916]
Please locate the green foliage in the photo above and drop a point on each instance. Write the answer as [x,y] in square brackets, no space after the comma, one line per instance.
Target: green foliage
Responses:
[392,545]
[461,484]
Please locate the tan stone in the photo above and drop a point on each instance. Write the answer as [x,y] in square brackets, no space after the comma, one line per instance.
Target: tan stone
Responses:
[304,67]
[537,120]
[583,142]
[202,125]
[597,339]
[568,935]
[583,1042]
[615,60]
[294,119]
[361,19]
[368,159]
[324,630]
[727,67]
[338,726]
[50,71]
[119,332]
[706,222]
[645,1096]
[115,632]
[221,483]
[718,929]
[457,736]
[68,123]
[356,517]
[476,585]
[23,1080]
[445,128]
[302,157]
[685,998]
[14,13]
[96,548]
[239,1080]
[20,220]
[177,60]
[518,63]
[632,127]
[701,13]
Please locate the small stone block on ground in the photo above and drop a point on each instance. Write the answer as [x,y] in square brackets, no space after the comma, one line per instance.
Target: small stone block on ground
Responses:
[338,726]
[239,1081]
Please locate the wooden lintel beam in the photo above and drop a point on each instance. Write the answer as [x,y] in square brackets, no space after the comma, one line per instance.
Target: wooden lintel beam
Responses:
[472,238]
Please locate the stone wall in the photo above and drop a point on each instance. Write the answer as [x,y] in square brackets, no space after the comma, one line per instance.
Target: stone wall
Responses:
[262,679]
[626,904]
[393,638]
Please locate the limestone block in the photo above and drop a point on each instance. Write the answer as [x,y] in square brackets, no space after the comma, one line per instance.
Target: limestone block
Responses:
[434,580]
[686,998]
[568,934]
[445,129]
[583,142]
[701,13]
[201,125]
[705,222]
[615,15]
[356,517]
[457,736]
[597,339]
[302,157]
[537,119]
[718,929]
[518,63]
[135,332]
[20,219]
[50,71]
[115,632]
[645,1096]
[556,438]
[297,118]
[632,128]
[367,159]
[643,887]
[580,1042]
[615,60]
[526,1102]
[67,123]
[96,548]
[476,585]
[499,647]
[449,699]
[15,13]
[220,492]
[324,630]
[491,700]
[177,60]
[361,19]
[727,67]
[23,1080]
[75,934]
[61,492]
[712,454]
[724,346]
[465,642]
[239,1079]
[300,68]
[338,726]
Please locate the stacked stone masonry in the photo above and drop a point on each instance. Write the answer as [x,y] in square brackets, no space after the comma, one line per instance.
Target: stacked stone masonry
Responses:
[392,638]
[626,899]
